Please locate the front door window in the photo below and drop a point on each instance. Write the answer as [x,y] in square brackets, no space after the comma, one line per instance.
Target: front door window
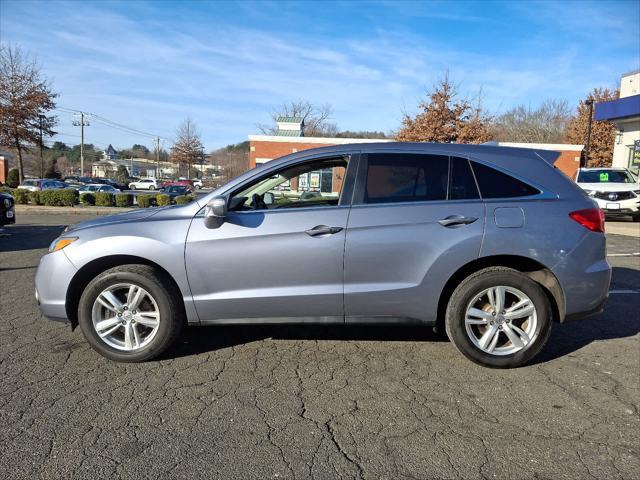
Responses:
[312,184]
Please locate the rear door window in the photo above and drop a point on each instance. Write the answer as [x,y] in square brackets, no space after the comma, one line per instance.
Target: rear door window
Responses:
[393,177]
[495,184]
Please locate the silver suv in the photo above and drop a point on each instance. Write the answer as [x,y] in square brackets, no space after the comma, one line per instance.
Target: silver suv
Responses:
[490,244]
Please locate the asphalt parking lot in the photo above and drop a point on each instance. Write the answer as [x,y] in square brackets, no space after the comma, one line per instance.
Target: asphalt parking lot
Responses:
[314,402]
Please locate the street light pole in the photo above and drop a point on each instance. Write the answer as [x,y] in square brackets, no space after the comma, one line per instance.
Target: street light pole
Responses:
[588,102]
[41,117]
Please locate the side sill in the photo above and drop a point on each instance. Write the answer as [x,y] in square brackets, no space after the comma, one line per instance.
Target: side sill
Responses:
[386,320]
[275,321]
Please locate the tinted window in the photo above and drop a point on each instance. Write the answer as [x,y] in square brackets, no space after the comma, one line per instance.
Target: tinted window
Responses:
[462,185]
[406,178]
[495,184]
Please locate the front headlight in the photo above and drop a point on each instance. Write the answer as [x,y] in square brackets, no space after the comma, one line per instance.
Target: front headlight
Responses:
[60,243]
[637,192]
[7,202]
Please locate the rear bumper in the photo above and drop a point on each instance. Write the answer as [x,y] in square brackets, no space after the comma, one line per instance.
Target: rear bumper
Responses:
[8,215]
[53,276]
[589,313]
[584,275]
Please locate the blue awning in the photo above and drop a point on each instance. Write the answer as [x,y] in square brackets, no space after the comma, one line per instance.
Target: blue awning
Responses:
[617,109]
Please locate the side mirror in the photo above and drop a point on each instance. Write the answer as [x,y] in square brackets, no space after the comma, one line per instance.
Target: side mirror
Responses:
[217,207]
[268,198]
[215,212]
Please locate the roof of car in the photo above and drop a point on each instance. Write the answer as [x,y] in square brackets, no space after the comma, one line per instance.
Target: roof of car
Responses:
[549,156]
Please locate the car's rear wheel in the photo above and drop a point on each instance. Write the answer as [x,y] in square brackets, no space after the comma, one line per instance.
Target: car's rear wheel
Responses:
[499,317]
[151,187]
[128,314]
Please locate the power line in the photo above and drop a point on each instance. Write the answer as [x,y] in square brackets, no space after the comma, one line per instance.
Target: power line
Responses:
[113,124]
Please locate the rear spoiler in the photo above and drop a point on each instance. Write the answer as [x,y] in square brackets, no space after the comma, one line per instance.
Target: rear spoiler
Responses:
[549,156]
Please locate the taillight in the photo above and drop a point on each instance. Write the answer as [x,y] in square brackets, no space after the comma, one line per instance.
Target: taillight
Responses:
[590,218]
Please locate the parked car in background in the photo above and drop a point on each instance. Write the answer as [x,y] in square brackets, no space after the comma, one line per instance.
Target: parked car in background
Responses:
[188,184]
[615,190]
[144,184]
[184,182]
[7,209]
[97,187]
[116,184]
[78,180]
[450,236]
[197,183]
[37,185]
[176,191]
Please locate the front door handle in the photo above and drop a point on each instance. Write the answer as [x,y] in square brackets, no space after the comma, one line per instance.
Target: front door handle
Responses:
[322,230]
[453,220]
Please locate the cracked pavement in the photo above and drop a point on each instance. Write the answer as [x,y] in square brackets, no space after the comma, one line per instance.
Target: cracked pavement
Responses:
[313,401]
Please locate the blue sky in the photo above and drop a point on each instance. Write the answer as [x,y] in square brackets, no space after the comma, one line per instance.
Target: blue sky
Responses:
[226,65]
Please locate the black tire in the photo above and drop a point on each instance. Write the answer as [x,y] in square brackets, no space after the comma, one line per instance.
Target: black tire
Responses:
[151,187]
[155,282]
[471,287]
[636,218]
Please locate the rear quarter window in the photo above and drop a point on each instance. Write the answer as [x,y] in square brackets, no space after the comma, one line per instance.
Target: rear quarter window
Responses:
[495,184]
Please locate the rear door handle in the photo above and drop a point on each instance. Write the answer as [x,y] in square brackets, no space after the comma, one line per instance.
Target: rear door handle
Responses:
[322,230]
[453,220]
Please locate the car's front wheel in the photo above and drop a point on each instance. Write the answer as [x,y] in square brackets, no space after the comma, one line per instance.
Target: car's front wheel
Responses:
[499,317]
[129,314]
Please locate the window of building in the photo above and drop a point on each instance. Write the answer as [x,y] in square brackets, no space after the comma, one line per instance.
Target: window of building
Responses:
[495,184]
[393,177]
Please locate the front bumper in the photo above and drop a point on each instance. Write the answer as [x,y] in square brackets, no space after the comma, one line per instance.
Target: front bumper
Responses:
[619,207]
[53,277]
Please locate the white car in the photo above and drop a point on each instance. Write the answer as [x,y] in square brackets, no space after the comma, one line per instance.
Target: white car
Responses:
[197,183]
[144,184]
[97,187]
[616,190]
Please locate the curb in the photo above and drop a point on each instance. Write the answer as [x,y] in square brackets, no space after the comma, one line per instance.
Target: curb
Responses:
[77,210]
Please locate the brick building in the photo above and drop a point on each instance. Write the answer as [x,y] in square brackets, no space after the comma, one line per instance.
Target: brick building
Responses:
[289,138]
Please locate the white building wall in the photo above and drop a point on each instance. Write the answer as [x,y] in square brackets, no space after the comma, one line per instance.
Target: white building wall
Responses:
[630,84]
[627,133]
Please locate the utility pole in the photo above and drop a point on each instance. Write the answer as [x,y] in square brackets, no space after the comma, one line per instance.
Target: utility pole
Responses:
[589,102]
[41,117]
[81,124]
[157,158]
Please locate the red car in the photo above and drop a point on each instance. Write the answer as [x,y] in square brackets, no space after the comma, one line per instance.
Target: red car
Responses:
[179,183]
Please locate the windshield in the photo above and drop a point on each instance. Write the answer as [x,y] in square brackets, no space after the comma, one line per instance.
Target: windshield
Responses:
[605,176]
[176,189]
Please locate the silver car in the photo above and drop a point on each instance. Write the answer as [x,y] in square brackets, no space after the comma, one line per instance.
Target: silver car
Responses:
[490,244]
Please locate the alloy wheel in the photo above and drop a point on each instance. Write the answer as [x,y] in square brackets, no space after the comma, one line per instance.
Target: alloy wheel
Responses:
[125,316]
[501,320]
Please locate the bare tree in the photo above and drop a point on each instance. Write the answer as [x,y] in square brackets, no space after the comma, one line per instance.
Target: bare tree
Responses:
[545,124]
[446,118]
[230,161]
[188,148]
[25,98]
[316,118]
